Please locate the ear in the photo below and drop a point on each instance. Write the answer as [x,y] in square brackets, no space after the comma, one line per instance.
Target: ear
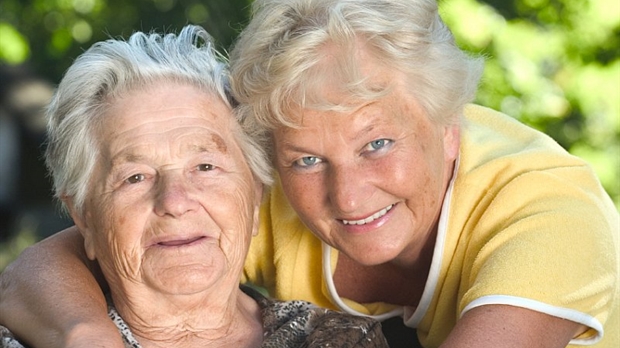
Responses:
[87,231]
[258,194]
[451,141]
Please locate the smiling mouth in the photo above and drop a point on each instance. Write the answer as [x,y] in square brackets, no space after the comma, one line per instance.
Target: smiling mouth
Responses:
[369,219]
[180,242]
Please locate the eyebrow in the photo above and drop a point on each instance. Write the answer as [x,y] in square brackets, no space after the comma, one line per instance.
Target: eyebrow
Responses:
[216,144]
[125,158]
[289,145]
[220,144]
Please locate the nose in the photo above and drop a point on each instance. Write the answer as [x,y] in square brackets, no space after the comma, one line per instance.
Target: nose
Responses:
[174,196]
[348,188]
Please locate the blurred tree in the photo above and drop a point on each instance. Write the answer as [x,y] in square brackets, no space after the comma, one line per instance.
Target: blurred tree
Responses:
[48,34]
[553,64]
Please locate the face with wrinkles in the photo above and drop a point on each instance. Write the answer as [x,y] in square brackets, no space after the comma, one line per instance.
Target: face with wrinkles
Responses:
[369,182]
[172,204]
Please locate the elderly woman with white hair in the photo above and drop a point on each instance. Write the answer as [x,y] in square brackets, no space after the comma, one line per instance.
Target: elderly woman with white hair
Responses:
[395,197]
[165,186]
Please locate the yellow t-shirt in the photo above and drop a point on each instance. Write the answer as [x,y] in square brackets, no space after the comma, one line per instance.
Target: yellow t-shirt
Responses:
[524,223]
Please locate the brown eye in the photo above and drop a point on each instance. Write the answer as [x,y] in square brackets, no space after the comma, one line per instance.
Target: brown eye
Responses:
[134,179]
[205,167]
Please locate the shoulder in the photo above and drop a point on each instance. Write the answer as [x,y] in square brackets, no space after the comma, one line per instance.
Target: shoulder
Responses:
[7,340]
[508,166]
[128,338]
[489,136]
[300,323]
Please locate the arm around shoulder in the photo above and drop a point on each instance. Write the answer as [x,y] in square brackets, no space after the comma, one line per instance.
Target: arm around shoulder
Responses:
[509,326]
[49,296]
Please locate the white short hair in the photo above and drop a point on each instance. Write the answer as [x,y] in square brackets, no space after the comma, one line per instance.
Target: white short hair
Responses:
[113,67]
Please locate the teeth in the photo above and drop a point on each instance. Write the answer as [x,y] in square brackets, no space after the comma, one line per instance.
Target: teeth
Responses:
[370,218]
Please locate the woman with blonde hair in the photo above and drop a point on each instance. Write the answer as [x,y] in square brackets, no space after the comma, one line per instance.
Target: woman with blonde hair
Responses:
[397,198]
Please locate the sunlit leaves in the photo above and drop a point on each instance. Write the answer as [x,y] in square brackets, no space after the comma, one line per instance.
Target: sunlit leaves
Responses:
[553,64]
[14,48]
[164,5]
[81,31]
[197,13]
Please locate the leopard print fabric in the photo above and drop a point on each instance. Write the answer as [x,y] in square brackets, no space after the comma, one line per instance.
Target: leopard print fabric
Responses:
[286,324]
[304,325]
[7,340]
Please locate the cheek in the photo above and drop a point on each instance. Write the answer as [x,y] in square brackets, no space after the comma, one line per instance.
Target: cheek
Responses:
[304,192]
[411,174]
[231,206]
[114,216]
[118,240]
[242,211]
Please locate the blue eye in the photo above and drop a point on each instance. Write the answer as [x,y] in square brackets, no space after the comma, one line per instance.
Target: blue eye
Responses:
[307,161]
[205,167]
[378,144]
[136,178]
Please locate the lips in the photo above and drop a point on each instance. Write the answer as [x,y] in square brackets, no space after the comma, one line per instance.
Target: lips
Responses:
[179,242]
[369,219]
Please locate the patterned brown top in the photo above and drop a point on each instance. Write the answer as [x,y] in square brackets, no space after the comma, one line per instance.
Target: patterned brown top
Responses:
[286,324]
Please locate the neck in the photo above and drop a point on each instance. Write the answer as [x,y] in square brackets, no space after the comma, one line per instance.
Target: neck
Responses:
[202,320]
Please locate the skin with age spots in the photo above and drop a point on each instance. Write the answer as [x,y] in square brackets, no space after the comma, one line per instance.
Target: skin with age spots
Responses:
[167,213]
[369,182]
[219,143]
[360,103]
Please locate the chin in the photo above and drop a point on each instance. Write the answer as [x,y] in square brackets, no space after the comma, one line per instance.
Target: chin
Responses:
[372,258]
[372,252]
[185,285]
[188,279]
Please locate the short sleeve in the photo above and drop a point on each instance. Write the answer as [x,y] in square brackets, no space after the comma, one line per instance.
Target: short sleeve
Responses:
[554,251]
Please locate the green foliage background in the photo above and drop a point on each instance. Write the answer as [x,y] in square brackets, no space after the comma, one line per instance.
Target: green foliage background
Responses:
[553,64]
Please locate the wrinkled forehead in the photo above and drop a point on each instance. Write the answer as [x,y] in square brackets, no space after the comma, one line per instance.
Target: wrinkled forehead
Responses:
[173,109]
[150,99]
